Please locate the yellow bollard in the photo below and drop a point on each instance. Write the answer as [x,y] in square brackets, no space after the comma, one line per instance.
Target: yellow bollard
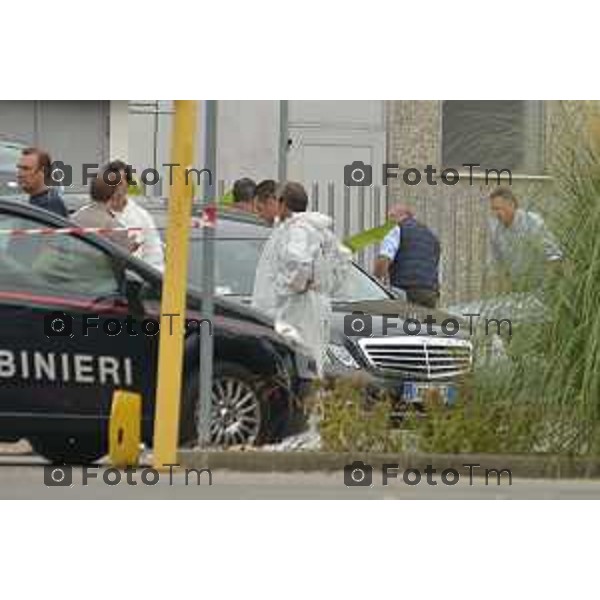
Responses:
[124,435]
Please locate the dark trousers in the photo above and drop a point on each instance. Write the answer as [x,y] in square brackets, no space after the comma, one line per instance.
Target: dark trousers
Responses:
[423,296]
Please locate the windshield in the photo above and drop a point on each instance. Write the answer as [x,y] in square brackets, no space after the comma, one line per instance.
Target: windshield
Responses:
[235,266]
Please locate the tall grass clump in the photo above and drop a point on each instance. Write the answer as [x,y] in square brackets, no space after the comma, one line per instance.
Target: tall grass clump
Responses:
[557,362]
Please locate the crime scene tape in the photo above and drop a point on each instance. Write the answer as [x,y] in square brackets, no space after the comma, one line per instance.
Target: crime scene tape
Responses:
[196,223]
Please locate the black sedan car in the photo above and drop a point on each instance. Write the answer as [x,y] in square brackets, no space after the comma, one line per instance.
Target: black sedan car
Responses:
[57,382]
[363,341]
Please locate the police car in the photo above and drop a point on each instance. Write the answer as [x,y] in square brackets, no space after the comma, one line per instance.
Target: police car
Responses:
[79,318]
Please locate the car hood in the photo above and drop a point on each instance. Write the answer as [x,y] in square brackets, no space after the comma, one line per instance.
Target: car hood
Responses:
[397,312]
[230,308]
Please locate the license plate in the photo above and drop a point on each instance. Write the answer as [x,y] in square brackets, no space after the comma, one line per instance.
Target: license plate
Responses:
[420,392]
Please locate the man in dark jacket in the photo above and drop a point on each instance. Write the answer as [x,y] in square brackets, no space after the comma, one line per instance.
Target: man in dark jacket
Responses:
[409,259]
[31,170]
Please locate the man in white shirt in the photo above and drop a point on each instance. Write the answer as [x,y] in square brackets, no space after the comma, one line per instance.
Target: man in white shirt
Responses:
[131,214]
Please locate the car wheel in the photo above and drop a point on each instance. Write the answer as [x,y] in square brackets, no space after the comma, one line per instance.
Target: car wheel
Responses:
[237,410]
[246,410]
[70,450]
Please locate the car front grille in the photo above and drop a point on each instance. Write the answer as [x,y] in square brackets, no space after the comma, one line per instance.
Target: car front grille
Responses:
[423,358]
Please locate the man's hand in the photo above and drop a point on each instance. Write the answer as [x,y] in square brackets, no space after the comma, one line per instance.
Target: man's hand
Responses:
[381,269]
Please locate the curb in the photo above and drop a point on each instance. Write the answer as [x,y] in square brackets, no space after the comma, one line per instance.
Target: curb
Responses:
[523,466]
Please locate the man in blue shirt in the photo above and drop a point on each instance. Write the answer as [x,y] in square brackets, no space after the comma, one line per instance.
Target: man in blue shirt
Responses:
[32,166]
[409,259]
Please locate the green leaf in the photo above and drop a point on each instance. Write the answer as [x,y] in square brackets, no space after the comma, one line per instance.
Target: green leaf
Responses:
[369,237]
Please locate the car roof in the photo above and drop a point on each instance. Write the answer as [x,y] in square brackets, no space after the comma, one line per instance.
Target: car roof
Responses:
[230,222]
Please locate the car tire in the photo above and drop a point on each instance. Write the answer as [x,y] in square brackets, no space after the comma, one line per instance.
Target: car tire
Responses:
[69,450]
[244,413]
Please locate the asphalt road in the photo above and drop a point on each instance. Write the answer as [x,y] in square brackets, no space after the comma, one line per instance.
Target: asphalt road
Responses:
[22,477]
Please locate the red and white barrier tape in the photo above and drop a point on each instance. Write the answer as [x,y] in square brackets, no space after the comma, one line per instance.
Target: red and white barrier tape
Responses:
[196,223]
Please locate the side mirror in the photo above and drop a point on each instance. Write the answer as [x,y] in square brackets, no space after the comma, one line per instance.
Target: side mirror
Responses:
[134,292]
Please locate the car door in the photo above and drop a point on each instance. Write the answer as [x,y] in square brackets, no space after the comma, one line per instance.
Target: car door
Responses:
[51,364]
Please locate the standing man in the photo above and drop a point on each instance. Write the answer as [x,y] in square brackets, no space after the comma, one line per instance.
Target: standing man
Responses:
[100,212]
[244,191]
[301,267]
[62,262]
[521,246]
[266,203]
[32,168]
[131,214]
[409,258]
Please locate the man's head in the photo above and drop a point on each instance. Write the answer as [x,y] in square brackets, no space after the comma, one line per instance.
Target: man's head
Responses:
[244,191]
[400,213]
[266,203]
[106,189]
[31,168]
[504,204]
[111,170]
[292,199]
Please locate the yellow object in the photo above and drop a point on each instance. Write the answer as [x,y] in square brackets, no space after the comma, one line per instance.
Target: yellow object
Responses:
[170,352]
[124,435]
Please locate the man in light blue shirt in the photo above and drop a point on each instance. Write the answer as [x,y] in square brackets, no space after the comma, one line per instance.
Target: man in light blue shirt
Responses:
[409,258]
[521,246]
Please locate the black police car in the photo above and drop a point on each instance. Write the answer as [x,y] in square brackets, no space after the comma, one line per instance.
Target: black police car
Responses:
[56,382]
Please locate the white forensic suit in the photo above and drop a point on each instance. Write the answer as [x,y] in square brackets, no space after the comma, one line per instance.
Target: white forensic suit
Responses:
[301,267]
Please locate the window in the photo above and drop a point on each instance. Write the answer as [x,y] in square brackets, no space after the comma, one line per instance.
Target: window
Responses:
[497,134]
[9,155]
[52,264]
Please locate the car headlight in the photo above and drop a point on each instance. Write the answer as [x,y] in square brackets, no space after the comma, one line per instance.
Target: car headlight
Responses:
[341,354]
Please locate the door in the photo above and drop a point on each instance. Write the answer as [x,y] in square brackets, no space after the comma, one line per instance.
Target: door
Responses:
[51,366]
[318,158]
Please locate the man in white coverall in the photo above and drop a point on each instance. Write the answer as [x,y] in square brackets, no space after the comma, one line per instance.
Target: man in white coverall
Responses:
[302,265]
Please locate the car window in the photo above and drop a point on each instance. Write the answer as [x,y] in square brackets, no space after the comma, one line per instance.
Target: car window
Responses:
[235,265]
[58,263]
[235,268]
[358,286]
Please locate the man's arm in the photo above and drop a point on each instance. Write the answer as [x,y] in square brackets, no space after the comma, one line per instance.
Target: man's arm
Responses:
[381,268]
[552,250]
[495,278]
[387,254]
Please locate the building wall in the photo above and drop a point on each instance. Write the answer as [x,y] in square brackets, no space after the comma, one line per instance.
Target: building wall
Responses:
[75,132]
[457,213]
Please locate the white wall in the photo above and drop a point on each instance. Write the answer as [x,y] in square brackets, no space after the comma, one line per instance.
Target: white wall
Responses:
[247,139]
[248,136]
[119,130]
